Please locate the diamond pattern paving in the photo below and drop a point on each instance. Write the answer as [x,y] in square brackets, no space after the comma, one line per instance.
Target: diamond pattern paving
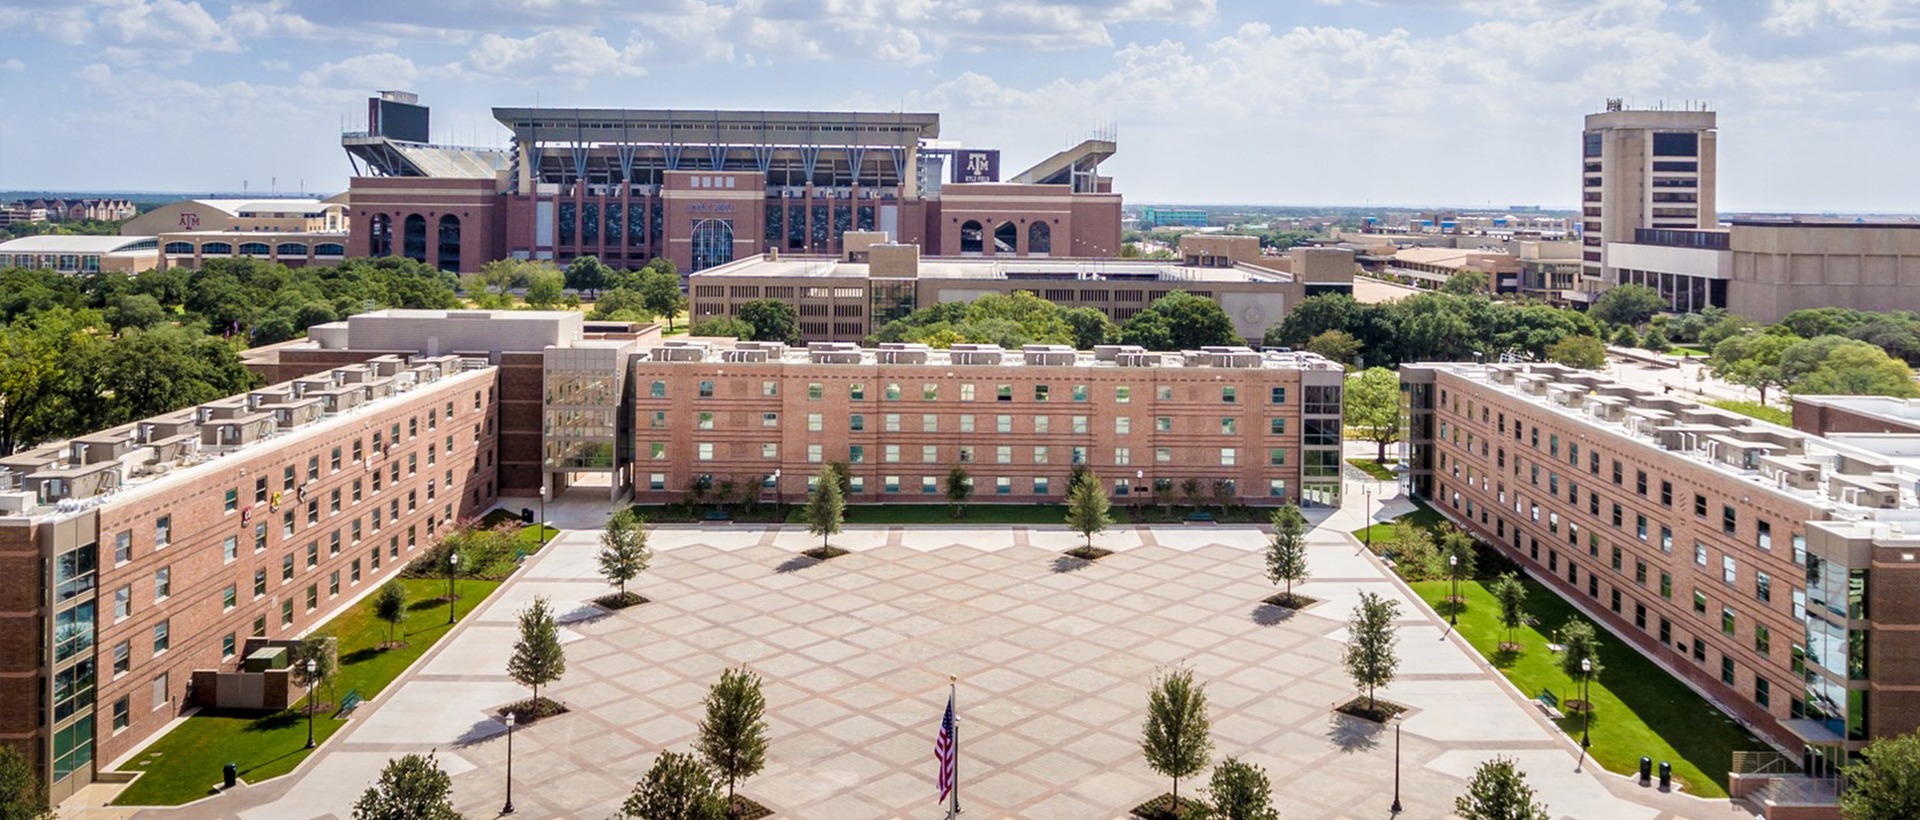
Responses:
[1054,659]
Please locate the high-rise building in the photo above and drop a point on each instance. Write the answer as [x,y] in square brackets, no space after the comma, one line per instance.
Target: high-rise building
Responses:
[1642,169]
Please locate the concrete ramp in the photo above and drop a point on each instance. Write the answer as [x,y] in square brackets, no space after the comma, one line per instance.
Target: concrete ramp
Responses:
[1077,166]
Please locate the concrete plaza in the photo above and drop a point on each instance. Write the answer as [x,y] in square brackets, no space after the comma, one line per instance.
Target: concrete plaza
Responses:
[1054,659]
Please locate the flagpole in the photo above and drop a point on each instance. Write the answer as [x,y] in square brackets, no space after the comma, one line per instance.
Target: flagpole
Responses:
[953,689]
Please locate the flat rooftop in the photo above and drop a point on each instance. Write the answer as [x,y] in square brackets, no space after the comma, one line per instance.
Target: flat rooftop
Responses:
[1862,478]
[1018,268]
[173,449]
[731,351]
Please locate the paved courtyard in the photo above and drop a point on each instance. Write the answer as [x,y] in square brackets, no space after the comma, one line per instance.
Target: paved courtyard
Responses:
[1054,659]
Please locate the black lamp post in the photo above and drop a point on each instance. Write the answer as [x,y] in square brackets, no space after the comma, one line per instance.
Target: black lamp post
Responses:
[1366,493]
[453,566]
[508,808]
[310,682]
[1396,764]
[1586,700]
[1453,579]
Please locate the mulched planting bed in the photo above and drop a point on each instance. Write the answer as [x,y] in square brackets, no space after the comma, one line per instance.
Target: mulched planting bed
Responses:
[1289,601]
[618,601]
[1161,808]
[1381,711]
[527,711]
[824,553]
[744,808]
[1088,553]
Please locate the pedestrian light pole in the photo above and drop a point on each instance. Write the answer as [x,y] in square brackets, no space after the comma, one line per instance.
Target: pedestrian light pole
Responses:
[453,566]
[508,808]
[1396,764]
[1453,578]
[1366,493]
[311,668]
[1586,700]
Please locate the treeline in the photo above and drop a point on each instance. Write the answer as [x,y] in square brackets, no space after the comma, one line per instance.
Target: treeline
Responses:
[1429,327]
[80,353]
[1176,321]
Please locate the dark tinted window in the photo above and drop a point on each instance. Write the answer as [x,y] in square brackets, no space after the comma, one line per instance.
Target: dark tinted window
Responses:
[1592,147]
[1676,145]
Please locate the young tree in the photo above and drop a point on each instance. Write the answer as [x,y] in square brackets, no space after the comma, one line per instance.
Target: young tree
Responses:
[623,549]
[1580,643]
[1499,791]
[959,487]
[1087,507]
[1240,791]
[1373,406]
[21,795]
[538,659]
[1089,326]
[1457,545]
[1371,636]
[1287,553]
[410,788]
[1582,352]
[1176,739]
[1623,336]
[677,787]
[391,607]
[773,320]
[319,650]
[825,508]
[733,737]
[1512,596]
[1885,783]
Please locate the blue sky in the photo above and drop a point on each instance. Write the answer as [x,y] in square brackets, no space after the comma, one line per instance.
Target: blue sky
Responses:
[1464,102]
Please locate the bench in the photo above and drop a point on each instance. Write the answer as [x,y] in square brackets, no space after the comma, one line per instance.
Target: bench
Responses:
[716,515]
[349,703]
[1549,703]
[1200,515]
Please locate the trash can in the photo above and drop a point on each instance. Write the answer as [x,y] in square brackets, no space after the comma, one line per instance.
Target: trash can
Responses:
[1666,775]
[230,775]
[526,515]
[1646,770]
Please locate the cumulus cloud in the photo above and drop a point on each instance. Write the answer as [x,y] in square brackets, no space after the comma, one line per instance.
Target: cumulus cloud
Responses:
[367,71]
[570,53]
[163,31]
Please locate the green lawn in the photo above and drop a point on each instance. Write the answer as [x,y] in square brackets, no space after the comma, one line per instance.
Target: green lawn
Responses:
[1422,516]
[183,764]
[1377,469]
[1640,709]
[939,514]
[1763,412]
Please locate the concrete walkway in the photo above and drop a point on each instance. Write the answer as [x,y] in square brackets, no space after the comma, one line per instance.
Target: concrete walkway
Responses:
[1054,658]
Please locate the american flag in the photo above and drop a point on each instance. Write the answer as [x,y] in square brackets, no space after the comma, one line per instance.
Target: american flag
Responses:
[943,751]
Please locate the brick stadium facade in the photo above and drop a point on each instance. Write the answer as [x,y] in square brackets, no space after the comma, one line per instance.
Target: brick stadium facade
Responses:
[703,188]
[1772,570]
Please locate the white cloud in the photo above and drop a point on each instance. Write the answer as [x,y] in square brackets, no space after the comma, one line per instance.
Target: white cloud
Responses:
[561,52]
[13,64]
[163,31]
[270,19]
[362,73]
[1799,17]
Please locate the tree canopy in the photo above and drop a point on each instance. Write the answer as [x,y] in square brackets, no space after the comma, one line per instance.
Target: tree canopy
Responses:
[1180,321]
[1630,305]
[410,788]
[1373,407]
[1885,783]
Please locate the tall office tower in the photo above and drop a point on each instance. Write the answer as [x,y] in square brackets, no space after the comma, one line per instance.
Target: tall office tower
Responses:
[1642,170]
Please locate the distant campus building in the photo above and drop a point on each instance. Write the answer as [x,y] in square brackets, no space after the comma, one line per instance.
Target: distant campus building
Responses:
[705,187]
